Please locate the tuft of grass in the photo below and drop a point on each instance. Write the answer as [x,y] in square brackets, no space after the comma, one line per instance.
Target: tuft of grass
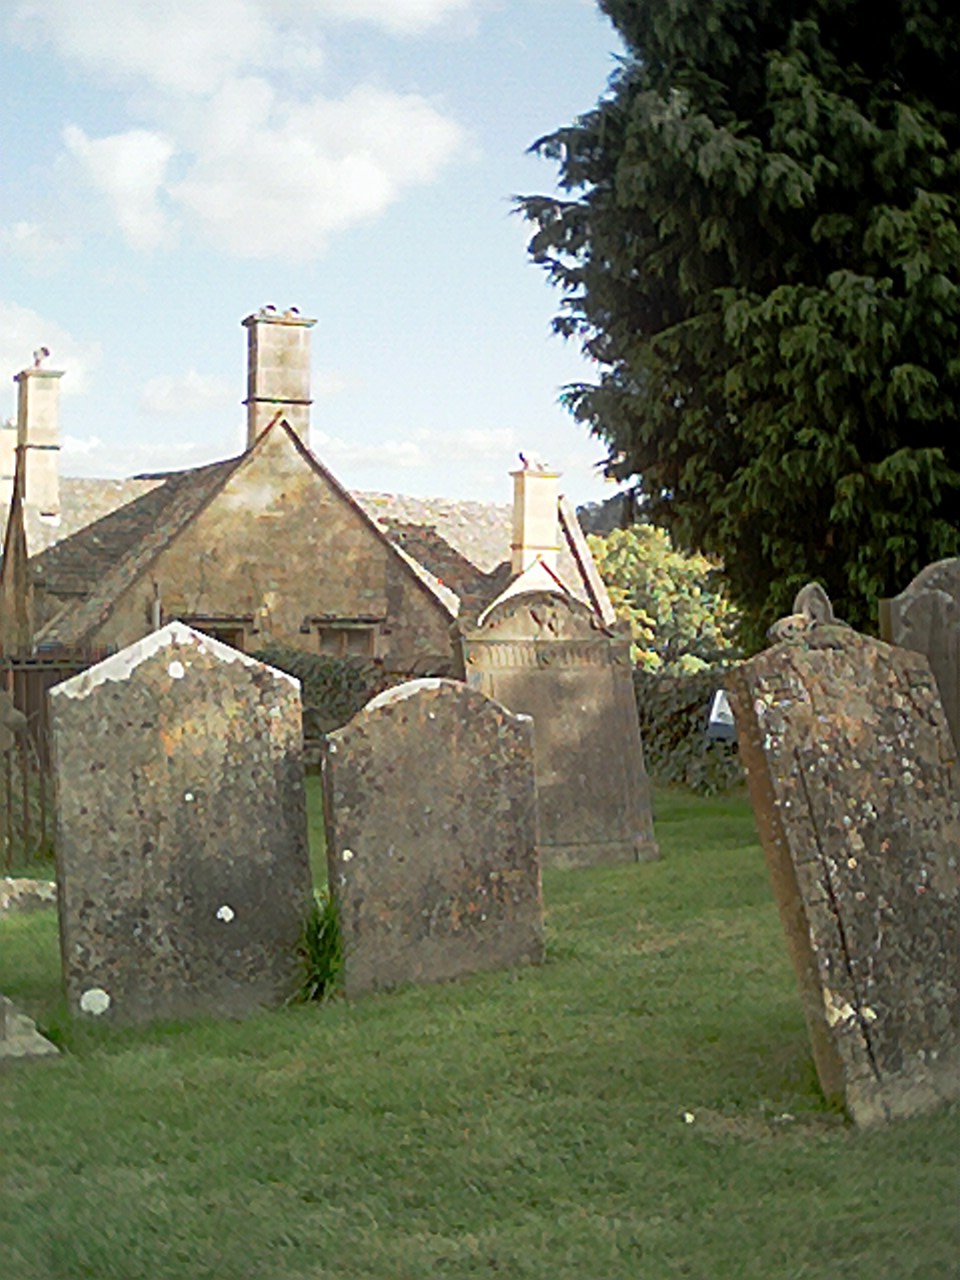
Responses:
[321,950]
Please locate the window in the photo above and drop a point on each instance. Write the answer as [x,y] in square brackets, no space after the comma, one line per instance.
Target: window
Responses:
[350,641]
[231,631]
[345,637]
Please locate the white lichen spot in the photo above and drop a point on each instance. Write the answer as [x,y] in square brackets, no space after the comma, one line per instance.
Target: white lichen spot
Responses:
[347,855]
[868,1014]
[836,1008]
[176,670]
[226,914]
[95,1000]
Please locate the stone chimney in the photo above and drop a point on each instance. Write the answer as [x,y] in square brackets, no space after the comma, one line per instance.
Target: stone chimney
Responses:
[536,533]
[278,371]
[38,430]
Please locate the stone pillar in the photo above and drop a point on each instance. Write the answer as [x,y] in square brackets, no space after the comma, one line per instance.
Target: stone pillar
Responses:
[38,428]
[535,517]
[278,371]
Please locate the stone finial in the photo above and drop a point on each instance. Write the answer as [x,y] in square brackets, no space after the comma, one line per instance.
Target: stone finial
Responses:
[812,622]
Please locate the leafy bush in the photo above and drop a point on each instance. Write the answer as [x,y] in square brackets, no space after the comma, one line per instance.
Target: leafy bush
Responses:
[673,711]
[675,603]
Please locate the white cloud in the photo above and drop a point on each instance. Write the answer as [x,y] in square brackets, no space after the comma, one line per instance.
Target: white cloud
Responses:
[34,245]
[178,46]
[128,168]
[23,331]
[273,178]
[190,393]
[337,453]
[494,445]
[403,16]
[72,447]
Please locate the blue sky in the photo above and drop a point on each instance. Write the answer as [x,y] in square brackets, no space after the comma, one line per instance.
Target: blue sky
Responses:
[172,165]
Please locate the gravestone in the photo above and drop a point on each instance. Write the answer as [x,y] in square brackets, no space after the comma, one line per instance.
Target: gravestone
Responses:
[182,858]
[925,617]
[849,767]
[19,1037]
[546,655]
[431,837]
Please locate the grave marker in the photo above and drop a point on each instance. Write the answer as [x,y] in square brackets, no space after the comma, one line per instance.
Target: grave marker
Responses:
[545,655]
[431,837]
[848,759]
[925,617]
[181,853]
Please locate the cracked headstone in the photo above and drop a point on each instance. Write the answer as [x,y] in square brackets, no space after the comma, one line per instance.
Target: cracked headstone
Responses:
[545,655]
[849,764]
[925,617]
[431,837]
[181,831]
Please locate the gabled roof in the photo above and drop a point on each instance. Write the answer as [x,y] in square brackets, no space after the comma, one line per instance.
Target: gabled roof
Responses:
[100,562]
[459,551]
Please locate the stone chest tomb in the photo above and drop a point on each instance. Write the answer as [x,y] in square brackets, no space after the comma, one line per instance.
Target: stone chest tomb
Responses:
[431,837]
[182,864]
[850,768]
[545,655]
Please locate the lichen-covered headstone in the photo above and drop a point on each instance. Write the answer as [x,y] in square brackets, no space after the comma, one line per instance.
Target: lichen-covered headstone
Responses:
[849,766]
[182,862]
[925,617]
[547,656]
[431,837]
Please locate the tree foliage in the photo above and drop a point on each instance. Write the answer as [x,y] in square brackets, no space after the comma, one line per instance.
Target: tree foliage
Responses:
[759,245]
[680,618]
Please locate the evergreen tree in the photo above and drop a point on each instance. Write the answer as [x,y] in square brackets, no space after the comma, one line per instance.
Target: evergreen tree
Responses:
[760,248]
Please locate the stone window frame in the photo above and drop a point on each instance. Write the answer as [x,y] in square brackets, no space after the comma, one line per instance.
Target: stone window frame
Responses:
[346,637]
[227,628]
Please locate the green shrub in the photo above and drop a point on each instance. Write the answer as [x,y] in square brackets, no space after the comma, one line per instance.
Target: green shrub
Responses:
[673,711]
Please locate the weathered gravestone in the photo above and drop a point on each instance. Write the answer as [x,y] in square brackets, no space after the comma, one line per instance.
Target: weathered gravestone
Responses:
[925,617]
[848,759]
[546,655]
[182,858]
[431,837]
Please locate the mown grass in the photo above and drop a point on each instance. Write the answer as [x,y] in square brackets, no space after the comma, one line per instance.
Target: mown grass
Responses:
[525,1124]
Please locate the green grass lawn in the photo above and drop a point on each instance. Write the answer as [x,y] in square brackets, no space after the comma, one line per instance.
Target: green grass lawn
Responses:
[524,1124]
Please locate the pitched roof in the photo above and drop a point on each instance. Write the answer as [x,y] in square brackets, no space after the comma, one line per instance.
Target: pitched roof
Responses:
[96,564]
[460,551]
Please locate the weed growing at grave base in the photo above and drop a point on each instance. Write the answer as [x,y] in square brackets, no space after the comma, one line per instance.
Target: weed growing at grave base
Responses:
[321,950]
[640,1107]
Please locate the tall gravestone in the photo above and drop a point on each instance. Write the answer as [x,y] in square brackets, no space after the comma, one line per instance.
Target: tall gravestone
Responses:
[546,655]
[849,765]
[431,837]
[182,865]
[925,617]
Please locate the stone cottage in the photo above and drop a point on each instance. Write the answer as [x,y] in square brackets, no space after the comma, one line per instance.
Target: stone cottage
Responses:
[267,547]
